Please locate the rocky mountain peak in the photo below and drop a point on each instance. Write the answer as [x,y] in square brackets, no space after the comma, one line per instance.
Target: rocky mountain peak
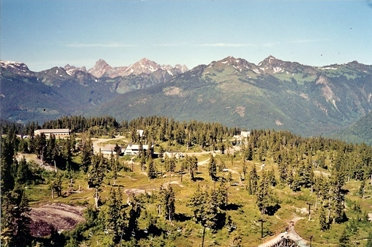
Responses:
[101,62]
[100,68]
[270,61]
[15,67]
[181,68]
[359,66]
[273,65]
[238,64]
[71,70]
[143,66]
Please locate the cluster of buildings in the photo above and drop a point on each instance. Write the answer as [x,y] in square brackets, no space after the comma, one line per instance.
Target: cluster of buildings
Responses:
[131,149]
[242,137]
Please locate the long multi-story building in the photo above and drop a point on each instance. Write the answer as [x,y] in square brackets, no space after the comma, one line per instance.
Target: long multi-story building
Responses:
[58,133]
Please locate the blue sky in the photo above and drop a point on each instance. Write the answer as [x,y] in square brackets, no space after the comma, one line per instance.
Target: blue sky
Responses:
[46,33]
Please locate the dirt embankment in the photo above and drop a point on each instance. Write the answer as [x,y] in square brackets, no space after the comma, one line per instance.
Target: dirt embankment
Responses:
[60,217]
[36,160]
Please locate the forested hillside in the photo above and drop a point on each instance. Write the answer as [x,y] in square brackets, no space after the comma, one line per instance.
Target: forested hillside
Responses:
[273,94]
[201,182]
[359,132]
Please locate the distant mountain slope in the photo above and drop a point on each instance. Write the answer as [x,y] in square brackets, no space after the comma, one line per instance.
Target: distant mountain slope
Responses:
[26,95]
[359,132]
[274,94]
[39,96]
[143,66]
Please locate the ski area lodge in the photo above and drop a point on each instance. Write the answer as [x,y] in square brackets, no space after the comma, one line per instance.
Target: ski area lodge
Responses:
[58,133]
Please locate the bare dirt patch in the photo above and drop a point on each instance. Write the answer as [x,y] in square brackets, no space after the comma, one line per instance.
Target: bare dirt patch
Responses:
[58,216]
[240,110]
[173,182]
[172,91]
[33,158]
[278,123]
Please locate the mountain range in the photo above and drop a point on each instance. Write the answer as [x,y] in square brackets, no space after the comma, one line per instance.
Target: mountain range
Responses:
[275,94]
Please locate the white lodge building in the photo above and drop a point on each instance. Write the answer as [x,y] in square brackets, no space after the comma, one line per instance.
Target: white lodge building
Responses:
[133,149]
[58,133]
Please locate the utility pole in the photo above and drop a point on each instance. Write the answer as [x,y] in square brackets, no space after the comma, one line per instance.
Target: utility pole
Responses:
[311,239]
[262,221]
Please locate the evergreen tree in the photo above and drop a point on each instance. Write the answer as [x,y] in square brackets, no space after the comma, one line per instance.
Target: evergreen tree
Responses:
[263,194]
[337,196]
[296,183]
[51,150]
[87,153]
[244,170]
[265,200]
[151,173]
[222,195]
[170,164]
[283,173]
[205,208]
[271,177]
[23,173]
[211,214]
[134,214]
[324,225]
[96,171]
[290,177]
[167,200]
[197,203]
[115,216]
[142,161]
[361,188]
[253,181]
[15,222]
[192,164]
[7,165]
[56,185]
[369,242]
[117,149]
[40,144]
[212,168]
[344,240]
[67,153]
[249,153]
[115,168]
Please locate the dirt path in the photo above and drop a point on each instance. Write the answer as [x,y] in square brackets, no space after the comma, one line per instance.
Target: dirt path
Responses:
[58,216]
[290,234]
[203,163]
[325,174]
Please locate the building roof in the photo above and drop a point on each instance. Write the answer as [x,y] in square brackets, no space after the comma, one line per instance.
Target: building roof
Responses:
[136,146]
[52,130]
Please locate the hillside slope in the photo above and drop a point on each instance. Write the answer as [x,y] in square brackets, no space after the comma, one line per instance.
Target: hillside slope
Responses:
[274,94]
[361,131]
